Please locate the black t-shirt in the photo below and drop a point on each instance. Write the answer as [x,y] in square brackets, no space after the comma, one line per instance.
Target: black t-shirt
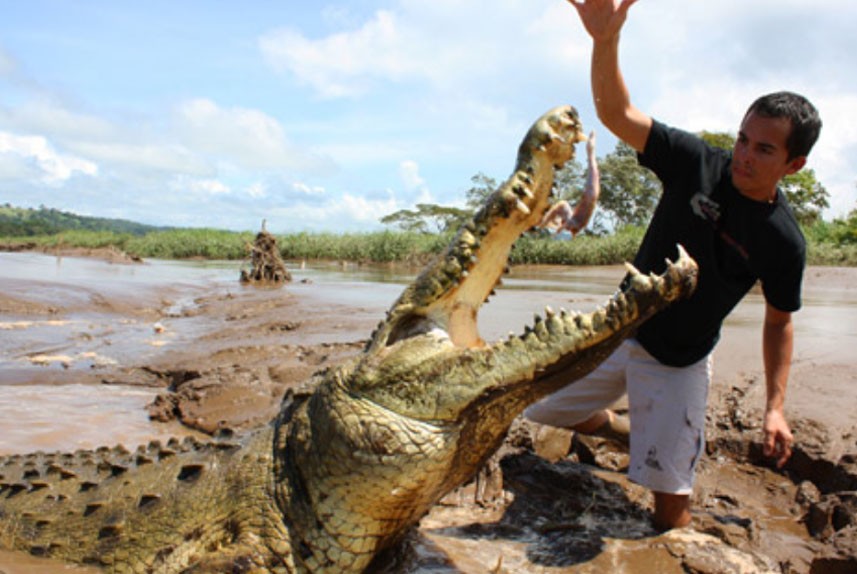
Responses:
[735,240]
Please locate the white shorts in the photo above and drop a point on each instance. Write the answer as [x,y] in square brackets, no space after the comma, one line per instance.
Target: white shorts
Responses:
[666,408]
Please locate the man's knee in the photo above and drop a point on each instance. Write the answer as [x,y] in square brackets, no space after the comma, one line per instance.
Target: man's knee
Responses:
[671,510]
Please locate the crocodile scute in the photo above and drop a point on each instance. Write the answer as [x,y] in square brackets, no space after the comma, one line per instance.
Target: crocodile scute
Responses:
[353,462]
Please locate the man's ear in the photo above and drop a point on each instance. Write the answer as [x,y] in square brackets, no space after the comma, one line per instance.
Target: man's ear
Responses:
[795,164]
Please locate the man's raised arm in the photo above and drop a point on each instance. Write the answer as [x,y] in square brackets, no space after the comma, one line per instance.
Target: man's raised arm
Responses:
[603,20]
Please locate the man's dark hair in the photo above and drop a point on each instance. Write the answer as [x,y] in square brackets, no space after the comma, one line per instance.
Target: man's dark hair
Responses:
[806,124]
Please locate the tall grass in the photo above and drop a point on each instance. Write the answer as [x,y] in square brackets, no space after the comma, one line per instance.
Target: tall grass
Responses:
[82,239]
[190,243]
[826,246]
[382,247]
[583,250]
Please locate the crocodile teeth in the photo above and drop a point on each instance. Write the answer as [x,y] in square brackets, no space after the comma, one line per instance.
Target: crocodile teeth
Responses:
[523,192]
[467,239]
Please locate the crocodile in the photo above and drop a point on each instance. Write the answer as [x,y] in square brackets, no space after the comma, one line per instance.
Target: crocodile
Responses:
[362,451]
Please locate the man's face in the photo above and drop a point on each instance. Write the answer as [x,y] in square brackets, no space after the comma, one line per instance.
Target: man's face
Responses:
[760,158]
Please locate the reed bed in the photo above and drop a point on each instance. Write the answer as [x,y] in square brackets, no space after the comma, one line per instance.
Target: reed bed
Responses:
[826,246]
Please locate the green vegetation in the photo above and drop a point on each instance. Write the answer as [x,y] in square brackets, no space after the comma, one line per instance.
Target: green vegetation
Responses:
[829,244]
[629,192]
[428,218]
[833,243]
[21,222]
[171,244]
[379,247]
[189,243]
[584,250]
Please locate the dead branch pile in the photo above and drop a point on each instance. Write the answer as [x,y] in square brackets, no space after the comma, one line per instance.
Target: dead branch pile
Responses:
[266,264]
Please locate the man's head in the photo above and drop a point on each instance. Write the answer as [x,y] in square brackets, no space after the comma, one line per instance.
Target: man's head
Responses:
[805,122]
[775,137]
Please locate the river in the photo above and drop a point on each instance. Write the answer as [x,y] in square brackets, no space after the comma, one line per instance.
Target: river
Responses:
[67,315]
[66,320]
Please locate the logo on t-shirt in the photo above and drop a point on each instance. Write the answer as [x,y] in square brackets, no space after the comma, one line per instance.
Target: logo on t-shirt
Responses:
[709,210]
[705,207]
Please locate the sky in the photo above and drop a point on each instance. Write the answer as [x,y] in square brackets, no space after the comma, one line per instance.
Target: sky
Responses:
[326,116]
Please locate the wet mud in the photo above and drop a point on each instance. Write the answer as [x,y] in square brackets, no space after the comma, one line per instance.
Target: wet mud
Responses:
[128,360]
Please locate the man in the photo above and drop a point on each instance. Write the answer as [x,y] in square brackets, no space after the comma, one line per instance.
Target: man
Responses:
[728,212]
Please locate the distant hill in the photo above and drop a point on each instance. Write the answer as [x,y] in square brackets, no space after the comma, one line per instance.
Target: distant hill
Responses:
[28,222]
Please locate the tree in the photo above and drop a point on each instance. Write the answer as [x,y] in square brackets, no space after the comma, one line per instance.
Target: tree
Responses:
[629,192]
[723,140]
[426,218]
[483,186]
[431,218]
[807,197]
[570,181]
[569,184]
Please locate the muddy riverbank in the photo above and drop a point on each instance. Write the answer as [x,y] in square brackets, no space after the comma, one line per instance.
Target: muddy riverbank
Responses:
[92,349]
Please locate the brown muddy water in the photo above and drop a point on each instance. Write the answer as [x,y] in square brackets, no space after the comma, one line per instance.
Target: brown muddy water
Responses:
[64,316]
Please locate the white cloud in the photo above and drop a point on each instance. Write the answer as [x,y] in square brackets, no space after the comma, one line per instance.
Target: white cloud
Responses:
[339,64]
[409,171]
[350,212]
[305,189]
[53,167]
[116,145]
[199,187]
[257,190]
[447,45]
[835,155]
[415,185]
[166,158]
[211,187]
[202,139]
[243,137]
[45,116]
[364,210]
[14,168]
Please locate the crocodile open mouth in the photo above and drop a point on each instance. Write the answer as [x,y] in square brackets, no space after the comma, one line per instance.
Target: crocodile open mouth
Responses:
[449,292]
[446,297]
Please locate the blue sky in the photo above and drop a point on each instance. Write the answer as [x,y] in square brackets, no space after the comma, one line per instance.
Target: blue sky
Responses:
[326,116]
